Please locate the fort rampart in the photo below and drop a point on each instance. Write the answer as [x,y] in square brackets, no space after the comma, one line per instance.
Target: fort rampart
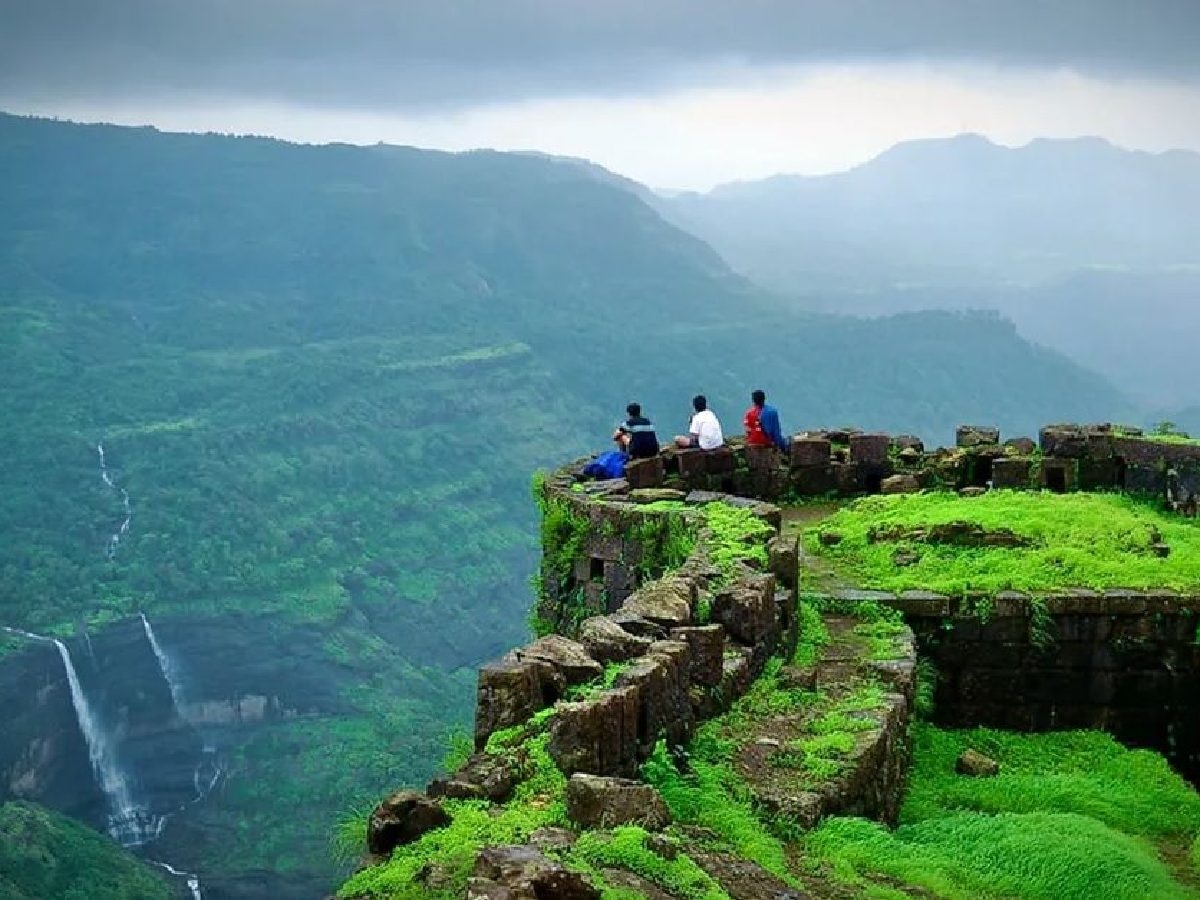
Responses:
[653,619]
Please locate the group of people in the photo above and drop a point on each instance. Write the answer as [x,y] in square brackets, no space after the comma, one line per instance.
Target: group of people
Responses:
[636,435]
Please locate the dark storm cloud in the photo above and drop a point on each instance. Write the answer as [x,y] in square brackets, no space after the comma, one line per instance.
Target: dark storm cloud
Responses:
[408,54]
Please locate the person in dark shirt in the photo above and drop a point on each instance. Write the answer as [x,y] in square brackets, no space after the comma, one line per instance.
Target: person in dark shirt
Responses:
[636,434]
[762,424]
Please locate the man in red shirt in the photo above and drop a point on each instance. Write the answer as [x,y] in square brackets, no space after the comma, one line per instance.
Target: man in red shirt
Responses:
[762,424]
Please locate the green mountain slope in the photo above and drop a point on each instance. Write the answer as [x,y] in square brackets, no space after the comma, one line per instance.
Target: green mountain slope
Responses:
[45,855]
[324,375]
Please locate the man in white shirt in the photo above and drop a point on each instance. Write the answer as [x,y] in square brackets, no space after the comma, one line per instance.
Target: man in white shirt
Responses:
[704,431]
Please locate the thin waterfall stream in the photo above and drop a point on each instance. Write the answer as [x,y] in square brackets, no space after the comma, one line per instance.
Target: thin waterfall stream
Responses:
[209,770]
[115,540]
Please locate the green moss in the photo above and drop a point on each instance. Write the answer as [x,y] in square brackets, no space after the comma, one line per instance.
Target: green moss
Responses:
[1071,815]
[1041,856]
[563,532]
[1195,854]
[1075,540]
[664,541]
[713,796]
[604,682]
[736,535]
[813,634]
[626,848]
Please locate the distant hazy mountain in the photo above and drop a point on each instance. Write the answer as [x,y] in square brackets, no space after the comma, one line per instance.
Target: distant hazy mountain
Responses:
[1091,249]
[324,377]
[958,211]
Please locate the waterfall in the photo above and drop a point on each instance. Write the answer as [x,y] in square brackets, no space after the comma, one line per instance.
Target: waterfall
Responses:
[192,880]
[166,665]
[115,539]
[128,821]
[209,770]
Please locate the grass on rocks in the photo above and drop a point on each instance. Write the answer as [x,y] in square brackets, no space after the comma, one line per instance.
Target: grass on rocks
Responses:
[1071,815]
[1074,540]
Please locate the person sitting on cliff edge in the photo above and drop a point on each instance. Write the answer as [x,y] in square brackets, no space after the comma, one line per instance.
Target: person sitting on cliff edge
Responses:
[704,431]
[636,434]
[762,424]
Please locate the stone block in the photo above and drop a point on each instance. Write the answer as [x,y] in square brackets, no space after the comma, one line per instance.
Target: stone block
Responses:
[509,692]
[620,581]
[869,449]
[693,465]
[1124,602]
[1010,603]
[736,676]
[763,459]
[1023,445]
[1067,441]
[595,801]
[599,736]
[747,610]
[401,819]
[1014,473]
[1074,602]
[569,658]
[707,646]
[523,872]
[645,473]
[636,625]
[809,451]
[667,601]
[607,642]
[783,559]
[899,484]
[904,442]
[845,477]
[664,708]
[976,435]
[813,481]
[976,765]
[655,494]
[719,461]
[484,776]
[922,603]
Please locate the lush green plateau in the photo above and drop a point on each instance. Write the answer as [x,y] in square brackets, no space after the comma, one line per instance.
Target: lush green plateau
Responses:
[1065,540]
[324,375]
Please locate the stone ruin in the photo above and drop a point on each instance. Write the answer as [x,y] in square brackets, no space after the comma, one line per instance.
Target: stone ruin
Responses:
[1126,661]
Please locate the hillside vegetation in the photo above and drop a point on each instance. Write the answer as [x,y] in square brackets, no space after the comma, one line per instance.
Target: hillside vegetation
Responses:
[45,855]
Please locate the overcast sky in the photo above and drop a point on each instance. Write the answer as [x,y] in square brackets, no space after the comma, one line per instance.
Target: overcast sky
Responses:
[675,93]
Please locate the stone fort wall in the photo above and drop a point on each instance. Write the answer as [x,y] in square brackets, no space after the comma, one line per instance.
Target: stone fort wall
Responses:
[618,588]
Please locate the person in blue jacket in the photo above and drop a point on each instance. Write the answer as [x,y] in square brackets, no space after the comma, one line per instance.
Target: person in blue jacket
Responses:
[762,424]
